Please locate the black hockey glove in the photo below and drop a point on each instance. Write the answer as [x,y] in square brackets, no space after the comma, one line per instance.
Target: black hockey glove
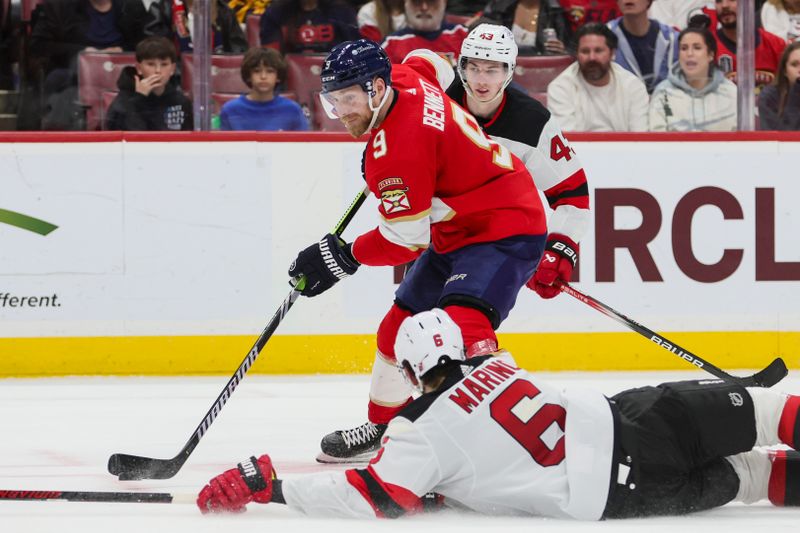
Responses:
[323,264]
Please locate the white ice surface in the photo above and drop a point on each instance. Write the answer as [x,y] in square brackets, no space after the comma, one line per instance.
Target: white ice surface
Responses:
[57,434]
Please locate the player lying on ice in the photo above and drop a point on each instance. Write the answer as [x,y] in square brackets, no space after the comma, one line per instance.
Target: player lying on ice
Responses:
[494,438]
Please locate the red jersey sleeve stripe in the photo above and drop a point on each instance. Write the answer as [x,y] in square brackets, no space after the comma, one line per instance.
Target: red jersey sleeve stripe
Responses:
[357,481]
[388,501]
[573,191]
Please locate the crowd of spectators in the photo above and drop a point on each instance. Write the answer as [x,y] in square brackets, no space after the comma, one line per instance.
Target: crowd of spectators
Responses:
[658,65]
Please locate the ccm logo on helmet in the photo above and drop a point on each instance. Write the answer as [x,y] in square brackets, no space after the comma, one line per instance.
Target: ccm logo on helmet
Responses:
[487,36]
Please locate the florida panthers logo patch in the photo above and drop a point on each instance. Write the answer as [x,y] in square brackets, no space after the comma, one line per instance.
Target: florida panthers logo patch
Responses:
[395,200]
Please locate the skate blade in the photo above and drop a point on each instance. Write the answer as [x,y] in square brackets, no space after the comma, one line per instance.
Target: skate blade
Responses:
[360,459]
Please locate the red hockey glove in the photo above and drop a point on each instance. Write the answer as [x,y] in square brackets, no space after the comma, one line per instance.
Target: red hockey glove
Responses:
[559,258]
[235,488]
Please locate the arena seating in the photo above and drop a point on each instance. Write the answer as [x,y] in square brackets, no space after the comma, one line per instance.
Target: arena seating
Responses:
[302,77]
[225,74]
[97,73]
[26,9]
[535,73]
[253,30]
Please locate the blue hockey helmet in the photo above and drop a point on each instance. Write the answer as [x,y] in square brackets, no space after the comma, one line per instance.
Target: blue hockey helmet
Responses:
[355,63]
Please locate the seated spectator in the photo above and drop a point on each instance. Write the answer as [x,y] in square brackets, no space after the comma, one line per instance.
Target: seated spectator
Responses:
[64,28]
[539,26]
[675,13]
[594,93]
[307,26]
[426,29]
[782,17]
[173,19]
[696,96]
[149,99]
[647,48]
[768,46]
[262,109]
[779,103]
[379,18]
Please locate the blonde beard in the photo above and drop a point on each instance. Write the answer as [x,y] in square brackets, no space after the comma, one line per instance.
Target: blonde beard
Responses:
[357,129]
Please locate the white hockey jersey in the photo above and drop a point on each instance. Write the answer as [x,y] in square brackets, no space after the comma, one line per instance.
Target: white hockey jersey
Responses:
[526,127]
[493,439]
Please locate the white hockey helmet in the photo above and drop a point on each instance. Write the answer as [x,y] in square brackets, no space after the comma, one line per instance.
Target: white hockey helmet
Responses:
[490,42]
[426,340]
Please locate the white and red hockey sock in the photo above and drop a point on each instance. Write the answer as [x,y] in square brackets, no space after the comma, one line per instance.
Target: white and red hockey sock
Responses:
[388,391]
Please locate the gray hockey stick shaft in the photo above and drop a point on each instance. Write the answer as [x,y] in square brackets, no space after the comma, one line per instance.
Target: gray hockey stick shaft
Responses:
[767,377]
[128,467]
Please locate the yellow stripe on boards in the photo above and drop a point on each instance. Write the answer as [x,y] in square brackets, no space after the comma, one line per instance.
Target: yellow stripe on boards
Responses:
[345,354]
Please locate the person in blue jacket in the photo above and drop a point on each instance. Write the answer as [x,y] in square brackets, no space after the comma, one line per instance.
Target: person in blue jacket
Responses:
[647,48]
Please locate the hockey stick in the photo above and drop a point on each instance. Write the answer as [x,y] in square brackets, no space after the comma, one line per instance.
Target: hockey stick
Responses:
[79,496]
[129,467]
[767,377]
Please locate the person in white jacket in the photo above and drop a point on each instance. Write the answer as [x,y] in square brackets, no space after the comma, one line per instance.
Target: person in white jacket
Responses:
[594,93]
[696,96]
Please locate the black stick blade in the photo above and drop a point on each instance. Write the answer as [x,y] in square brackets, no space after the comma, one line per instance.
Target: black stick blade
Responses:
[771,375]
[133,467]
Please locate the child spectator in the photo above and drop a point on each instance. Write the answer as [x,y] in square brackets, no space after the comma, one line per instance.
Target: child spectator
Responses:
[696,96]
[262,109]
[779,103]
[426,29]
[310,26]
[594,93]
[148,99]
[539,26]
[647,48]
[379,18]
[173,19]
[782,17]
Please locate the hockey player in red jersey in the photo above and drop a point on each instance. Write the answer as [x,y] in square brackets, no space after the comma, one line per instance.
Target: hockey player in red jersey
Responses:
[456,201]
[526,127]
[673,449]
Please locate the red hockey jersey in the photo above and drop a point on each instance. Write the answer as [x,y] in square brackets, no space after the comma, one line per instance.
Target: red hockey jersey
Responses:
[580,12]
[769,48]
[445,42]
[439,179]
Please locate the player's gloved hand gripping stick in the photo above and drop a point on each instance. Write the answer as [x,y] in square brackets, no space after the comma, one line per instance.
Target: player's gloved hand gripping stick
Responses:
[767,377]
[136,467]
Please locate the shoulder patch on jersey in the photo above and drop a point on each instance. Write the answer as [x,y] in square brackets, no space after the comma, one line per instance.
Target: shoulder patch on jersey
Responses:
[394,197]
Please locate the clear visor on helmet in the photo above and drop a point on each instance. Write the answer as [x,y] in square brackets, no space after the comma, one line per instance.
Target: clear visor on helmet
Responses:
[338,104]
[482,71]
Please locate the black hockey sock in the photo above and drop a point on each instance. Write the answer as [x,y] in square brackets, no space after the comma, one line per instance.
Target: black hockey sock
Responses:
[784,478]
